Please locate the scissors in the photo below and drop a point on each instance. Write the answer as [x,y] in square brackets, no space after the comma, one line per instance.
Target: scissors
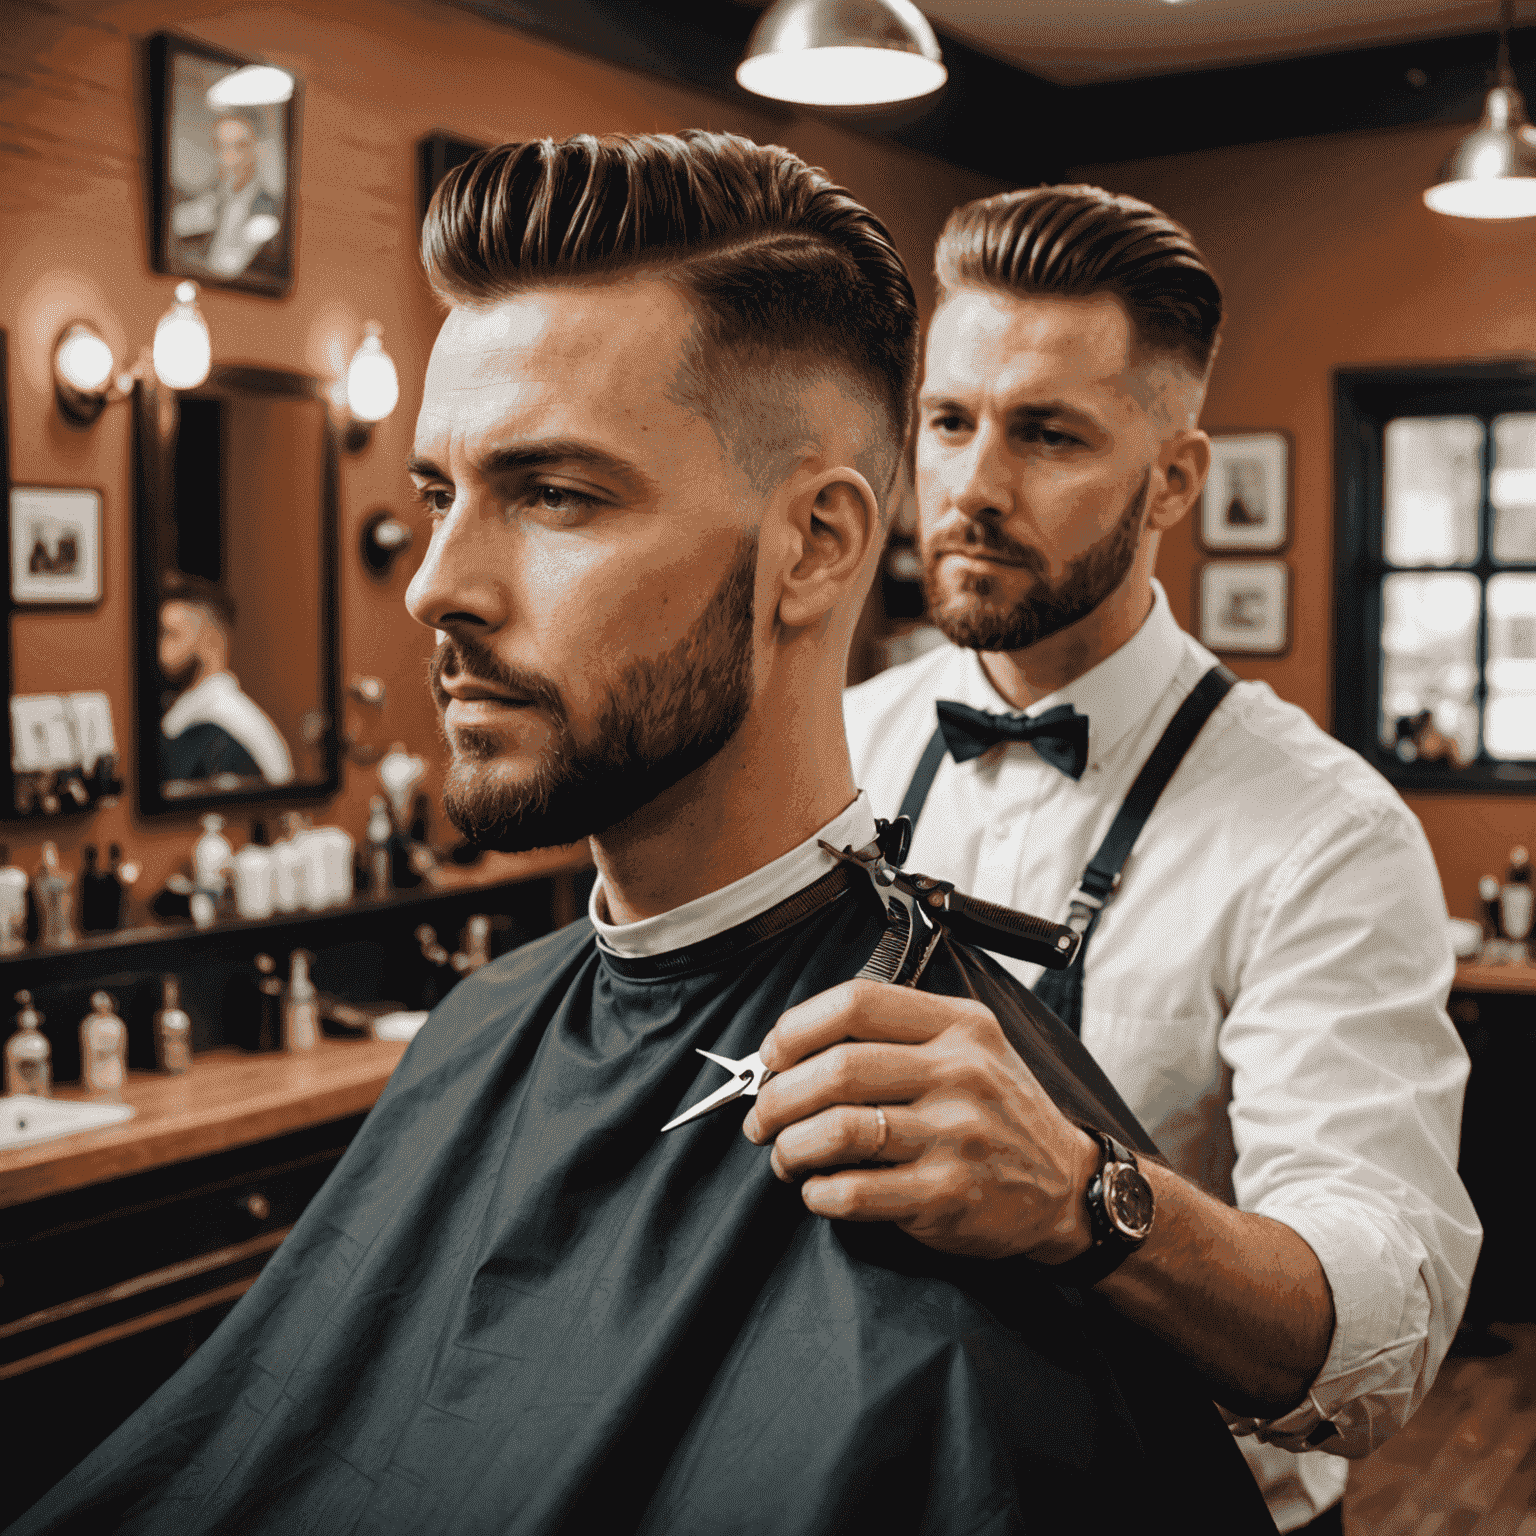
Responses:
[747,1076]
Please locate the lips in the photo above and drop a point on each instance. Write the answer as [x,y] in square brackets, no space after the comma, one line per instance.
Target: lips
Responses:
[466,690]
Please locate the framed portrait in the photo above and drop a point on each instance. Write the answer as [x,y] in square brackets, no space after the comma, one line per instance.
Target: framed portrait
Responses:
[55,545]
[1246,504]
[223,165]
[1244,606]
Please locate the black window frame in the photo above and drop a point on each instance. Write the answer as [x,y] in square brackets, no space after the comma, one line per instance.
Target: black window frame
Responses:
[1365,400]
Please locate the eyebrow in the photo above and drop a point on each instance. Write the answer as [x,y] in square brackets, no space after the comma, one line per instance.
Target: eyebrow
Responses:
[1047,410]
[546,453]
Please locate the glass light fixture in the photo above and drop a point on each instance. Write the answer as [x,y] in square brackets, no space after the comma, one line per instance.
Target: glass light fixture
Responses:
[1492,172]
[255,85]
[373,386]
[183,352]
[842,53]
[82,369]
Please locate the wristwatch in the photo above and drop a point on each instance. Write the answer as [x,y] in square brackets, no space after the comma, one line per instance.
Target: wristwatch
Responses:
[1120,1212]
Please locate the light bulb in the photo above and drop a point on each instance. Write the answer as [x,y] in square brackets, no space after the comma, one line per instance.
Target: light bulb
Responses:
[257,85]
[841,77]
[183,352]
[373,386]
[84,359]
[1497,197]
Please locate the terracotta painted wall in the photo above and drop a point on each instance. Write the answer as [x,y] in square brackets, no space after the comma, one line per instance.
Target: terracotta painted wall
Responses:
[377,77]
[1329,259]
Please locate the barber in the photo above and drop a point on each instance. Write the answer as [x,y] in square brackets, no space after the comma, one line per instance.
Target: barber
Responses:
[1264,960]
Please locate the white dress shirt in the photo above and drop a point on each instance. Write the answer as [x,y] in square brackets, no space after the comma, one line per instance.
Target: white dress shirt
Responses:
[1266,989]
[218,700]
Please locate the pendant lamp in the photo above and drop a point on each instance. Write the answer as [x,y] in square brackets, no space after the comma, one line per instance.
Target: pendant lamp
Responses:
[842,53]
[1492,172]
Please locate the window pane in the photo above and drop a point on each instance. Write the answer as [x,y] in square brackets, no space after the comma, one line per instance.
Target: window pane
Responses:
[1513,488]
[1509,729]
[1434,475]
[1429,655]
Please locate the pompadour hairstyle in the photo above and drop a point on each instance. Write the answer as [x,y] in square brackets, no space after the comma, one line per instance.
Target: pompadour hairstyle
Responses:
[199,592]
[781,263]
[1076,241]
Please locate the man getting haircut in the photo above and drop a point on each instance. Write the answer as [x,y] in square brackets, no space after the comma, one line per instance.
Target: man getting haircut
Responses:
[658,427]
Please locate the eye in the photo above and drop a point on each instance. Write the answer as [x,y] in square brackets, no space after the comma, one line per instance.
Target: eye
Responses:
[435,500]
[946,421]
[564,506]
[1049,437]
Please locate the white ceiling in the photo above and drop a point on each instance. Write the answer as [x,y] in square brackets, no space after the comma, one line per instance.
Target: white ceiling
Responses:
[1076,42]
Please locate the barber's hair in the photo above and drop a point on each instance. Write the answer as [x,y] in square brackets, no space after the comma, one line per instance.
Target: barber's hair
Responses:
[199,592]
[781,264]
[1077,241]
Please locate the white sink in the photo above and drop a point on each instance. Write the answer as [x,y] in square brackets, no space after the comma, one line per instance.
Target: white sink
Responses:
[24,1118]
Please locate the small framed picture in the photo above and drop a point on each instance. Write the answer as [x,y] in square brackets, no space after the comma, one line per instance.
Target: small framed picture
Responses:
[1246,504]
[224,162]
[1244,606]
[55,545]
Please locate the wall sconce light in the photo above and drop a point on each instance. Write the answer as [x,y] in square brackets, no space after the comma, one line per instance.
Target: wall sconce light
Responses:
[1492,173]
[372,388]
[384,539]
[83,380]
[842,53]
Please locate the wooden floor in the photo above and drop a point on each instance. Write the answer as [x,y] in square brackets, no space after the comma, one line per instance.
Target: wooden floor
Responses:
[1465,1464]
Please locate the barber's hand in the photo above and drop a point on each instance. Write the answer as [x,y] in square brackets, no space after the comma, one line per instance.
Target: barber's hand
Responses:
[982,1162]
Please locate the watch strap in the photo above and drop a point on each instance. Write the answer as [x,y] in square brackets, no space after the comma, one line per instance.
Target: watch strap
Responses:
[1110,1247]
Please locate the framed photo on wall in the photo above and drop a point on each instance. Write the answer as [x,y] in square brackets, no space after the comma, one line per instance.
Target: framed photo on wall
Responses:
[55,545]
[1246,504]
[1243,607]
[224,166]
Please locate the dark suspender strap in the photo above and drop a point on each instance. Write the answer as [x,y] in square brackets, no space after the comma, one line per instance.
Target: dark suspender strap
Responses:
[922,778]
[1062,991]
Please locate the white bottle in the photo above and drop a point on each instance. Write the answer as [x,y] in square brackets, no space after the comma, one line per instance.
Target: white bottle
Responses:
[211,857]
[317,886]
[337,854]
[173,1029]
[301,1011]
[28,1064]
[380,829]
[1515,902]
[13,905]
[103,1049]
[254,874]
[289,888]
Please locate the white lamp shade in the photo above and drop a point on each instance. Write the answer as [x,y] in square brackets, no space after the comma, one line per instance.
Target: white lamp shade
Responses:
[1503,197]
[1491,174]
[842,53]
[257,85]
[183,352]
[373,386]
[84,359]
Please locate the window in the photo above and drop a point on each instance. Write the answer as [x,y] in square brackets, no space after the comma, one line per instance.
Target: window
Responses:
[1435,673]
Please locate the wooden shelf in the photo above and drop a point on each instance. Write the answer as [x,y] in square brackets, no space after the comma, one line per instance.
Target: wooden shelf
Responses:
[228,1098]
[1474,976]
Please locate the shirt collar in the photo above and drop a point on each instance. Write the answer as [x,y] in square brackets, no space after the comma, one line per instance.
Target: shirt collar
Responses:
[1116,694]
[201,702]
[742,899]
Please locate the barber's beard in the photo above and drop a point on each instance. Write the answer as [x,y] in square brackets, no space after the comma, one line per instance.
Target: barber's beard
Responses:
[974,617]
[662,719]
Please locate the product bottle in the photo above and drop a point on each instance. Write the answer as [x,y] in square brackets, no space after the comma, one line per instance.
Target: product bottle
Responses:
[173,1029]
[210,862]
[380,830]
[103,1048]
[101,895]
[1515,898]
[301,1012]
[125,874]
[51,891]
[1488,897]
[474,945]
[28,1063]
[254,896]
[267,1029]
[13,905]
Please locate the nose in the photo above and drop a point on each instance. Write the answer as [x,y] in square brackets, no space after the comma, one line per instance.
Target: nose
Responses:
[978,483]
[457,587]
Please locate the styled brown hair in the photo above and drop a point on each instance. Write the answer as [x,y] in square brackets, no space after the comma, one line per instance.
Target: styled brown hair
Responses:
[783,266]
[199,592]
[1076,241]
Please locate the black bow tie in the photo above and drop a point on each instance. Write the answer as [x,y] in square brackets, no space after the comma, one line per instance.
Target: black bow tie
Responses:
[1059,735]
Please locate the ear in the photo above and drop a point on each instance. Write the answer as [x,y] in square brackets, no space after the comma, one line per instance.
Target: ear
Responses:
[1182,465]
[834,520]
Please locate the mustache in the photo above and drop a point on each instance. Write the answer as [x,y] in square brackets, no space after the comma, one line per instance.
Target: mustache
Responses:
[987,538]
[458,657]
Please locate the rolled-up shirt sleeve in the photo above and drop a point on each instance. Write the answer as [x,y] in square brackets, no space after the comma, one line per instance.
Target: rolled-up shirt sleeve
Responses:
[1347,1085]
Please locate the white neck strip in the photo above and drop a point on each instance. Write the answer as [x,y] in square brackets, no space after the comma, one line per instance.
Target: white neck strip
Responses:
[739,901]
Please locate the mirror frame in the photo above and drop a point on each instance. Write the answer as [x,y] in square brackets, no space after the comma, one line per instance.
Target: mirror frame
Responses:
[155,412]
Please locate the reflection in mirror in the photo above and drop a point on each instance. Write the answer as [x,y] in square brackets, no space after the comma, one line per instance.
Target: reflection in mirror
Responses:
[237,490]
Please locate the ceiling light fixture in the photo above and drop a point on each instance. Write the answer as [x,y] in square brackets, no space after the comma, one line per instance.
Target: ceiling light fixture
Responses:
[842,53]
[1492,172]
[256,85]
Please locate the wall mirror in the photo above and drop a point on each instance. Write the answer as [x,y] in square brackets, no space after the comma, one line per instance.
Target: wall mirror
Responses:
[235,613]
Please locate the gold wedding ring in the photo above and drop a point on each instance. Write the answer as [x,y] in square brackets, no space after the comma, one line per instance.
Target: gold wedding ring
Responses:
[885,1131]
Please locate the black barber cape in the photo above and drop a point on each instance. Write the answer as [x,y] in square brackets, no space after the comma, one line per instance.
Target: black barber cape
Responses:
[515,1307]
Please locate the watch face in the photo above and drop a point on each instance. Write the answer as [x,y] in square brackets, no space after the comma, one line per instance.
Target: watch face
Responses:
[1128,1201]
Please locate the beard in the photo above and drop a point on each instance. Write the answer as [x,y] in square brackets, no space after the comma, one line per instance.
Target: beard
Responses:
[971,617]
[662,718]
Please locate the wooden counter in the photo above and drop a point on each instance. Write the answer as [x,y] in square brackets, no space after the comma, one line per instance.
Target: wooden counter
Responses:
[229,1098]
[1474,976]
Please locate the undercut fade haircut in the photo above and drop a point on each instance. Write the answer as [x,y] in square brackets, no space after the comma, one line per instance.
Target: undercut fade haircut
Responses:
[1078,241]
[789,275]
